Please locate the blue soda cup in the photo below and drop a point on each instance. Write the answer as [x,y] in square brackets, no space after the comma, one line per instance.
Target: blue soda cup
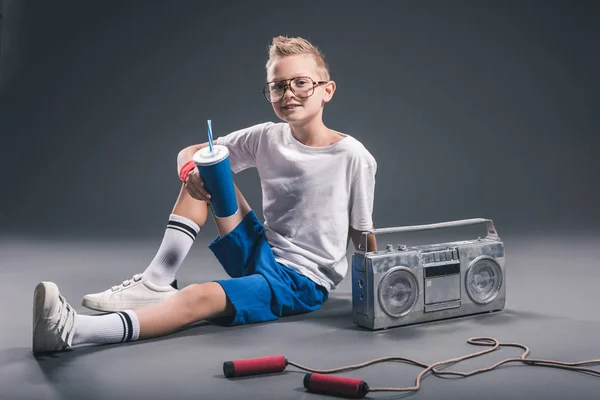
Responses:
[215,170]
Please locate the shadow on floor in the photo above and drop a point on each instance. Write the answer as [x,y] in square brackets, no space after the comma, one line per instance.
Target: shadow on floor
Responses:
[337,313]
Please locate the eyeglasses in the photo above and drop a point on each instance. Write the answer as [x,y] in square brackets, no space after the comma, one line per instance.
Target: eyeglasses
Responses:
[302,86]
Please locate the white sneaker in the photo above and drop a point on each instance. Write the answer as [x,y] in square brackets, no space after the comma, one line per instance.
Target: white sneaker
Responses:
[133,293]
[53,319]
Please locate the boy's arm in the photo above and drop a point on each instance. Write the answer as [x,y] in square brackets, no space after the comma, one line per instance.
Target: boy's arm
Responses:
[357,239]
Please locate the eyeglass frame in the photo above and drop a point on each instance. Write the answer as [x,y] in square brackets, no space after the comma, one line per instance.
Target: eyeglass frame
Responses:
[287,84]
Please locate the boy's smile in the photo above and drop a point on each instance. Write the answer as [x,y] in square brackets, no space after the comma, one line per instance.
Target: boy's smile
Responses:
[296,89]
[290,107]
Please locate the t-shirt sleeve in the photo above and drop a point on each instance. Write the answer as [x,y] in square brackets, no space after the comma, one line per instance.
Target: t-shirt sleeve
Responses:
[242,145]
[362,194]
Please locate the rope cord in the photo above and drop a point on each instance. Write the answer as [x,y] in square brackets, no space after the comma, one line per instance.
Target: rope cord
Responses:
[435,368]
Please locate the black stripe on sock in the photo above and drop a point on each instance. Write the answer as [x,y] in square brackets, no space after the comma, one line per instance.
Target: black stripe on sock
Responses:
[184,226]
[129,325]
[181,230]
[124,328]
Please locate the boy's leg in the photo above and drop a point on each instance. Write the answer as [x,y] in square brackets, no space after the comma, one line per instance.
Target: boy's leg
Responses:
[185,222]
[194,303]
[58,327]
[157,282]
[262,291]
[187,218]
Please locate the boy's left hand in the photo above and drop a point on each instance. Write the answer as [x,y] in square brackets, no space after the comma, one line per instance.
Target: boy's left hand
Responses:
[195,186]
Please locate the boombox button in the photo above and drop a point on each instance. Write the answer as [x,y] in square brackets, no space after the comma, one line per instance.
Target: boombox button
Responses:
[402,247]
[390,248]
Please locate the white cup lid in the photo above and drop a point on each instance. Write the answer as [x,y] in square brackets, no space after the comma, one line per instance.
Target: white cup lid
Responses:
[205,157]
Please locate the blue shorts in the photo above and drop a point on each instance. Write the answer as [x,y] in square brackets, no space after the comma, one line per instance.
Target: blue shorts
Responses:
[260,288]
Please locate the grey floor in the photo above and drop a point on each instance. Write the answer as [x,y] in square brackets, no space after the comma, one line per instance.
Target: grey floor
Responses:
[552,307]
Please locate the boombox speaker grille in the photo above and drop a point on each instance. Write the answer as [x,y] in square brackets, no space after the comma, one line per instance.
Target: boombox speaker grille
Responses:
[484,279]
[398,292]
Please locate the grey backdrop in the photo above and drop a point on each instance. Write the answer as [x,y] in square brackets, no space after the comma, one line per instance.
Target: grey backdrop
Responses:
[471,108]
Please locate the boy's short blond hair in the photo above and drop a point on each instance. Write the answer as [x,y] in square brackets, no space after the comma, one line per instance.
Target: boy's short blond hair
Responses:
[283,46]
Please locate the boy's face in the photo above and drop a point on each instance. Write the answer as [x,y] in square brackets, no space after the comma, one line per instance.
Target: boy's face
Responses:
[296,108]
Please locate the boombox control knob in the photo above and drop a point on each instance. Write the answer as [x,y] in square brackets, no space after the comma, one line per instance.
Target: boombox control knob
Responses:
[390,248]
[402,247]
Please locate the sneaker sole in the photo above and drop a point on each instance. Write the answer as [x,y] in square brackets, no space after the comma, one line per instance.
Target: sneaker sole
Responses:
[114,306]
[43,292]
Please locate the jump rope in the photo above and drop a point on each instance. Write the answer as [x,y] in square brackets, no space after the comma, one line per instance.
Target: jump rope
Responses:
[319,380]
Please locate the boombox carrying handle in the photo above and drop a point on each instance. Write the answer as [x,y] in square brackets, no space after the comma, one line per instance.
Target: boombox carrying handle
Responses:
[491,229]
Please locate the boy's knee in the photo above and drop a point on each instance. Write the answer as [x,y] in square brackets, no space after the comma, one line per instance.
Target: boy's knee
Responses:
[202,297]
[194,294]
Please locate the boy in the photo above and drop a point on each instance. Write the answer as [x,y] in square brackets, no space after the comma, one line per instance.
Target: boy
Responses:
[318,190]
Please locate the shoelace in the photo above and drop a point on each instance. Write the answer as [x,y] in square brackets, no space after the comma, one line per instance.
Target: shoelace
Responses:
[127,282]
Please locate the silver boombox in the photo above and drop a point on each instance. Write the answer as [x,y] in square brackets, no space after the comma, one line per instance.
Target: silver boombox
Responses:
[408,285]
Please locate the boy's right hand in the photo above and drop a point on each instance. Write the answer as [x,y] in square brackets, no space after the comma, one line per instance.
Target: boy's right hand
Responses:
[195,186]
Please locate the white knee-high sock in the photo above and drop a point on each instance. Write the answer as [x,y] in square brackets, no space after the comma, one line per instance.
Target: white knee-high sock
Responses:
[119,327]
[176,244]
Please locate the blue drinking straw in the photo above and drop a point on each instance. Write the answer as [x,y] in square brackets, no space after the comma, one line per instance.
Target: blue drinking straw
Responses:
[210,139]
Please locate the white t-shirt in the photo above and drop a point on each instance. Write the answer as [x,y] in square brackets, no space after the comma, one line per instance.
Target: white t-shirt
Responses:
[311,195]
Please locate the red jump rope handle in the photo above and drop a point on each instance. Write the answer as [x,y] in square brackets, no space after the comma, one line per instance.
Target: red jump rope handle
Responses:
[254,366]
[335,385]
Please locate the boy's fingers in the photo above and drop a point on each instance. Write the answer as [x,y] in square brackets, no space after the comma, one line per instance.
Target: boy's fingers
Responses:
[200,189]
[197,180]
[194,192]
[196,183]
